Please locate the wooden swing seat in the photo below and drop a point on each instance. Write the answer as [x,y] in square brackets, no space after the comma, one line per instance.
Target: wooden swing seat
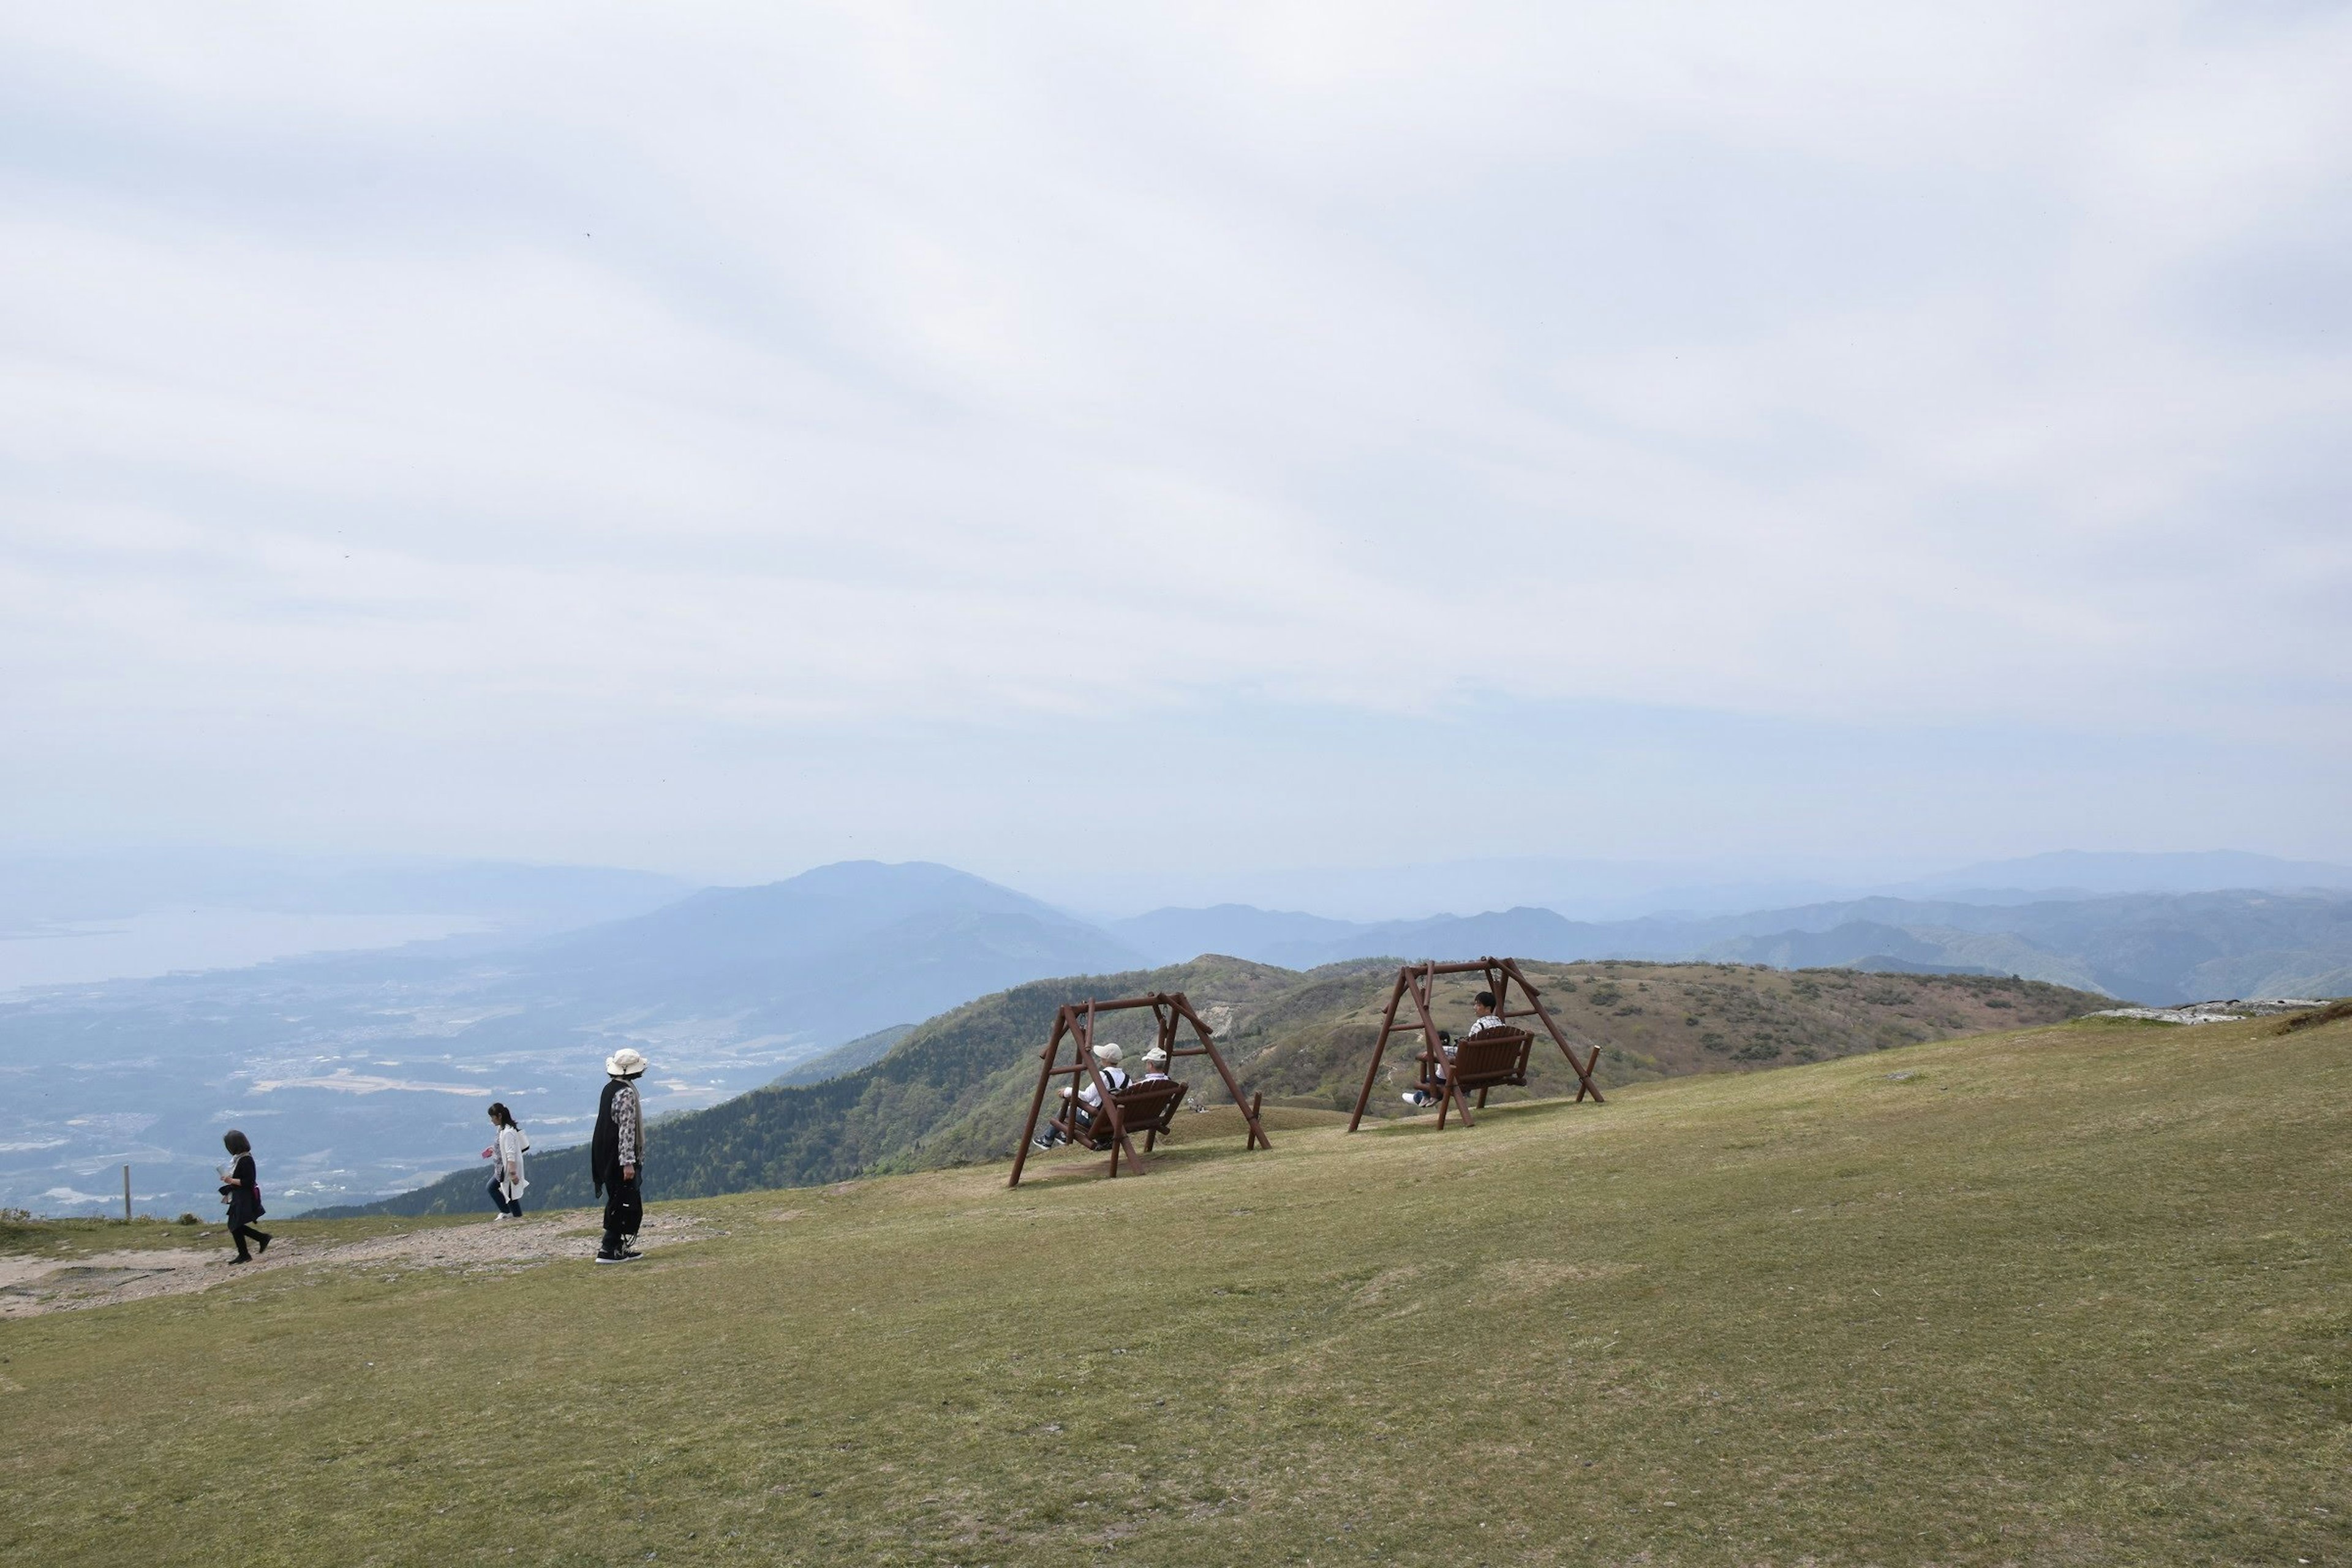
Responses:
[1487,1059]
[1145,1108]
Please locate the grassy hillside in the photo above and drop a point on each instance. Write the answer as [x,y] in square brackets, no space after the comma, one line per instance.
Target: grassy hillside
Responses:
[956,1089]
[2044,1298]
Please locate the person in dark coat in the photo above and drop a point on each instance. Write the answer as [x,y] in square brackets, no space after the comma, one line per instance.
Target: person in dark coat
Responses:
[241,1190]
[616,1156]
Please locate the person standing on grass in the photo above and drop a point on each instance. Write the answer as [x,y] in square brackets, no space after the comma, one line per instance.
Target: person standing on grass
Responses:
[617,1156]
[506,1151]
[241,1190]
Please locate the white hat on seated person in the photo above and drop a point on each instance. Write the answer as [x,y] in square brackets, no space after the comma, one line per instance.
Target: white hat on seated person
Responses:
[1155,1055]
[1108,1054]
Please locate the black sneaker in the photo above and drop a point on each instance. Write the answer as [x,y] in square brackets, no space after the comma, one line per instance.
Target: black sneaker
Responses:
[603,1256]
[261,1244]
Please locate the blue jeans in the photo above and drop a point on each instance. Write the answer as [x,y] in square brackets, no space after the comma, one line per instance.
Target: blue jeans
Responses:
[506,1205]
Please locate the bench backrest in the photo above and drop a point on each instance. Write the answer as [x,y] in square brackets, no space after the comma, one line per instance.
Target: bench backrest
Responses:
[1143,1107]
[1149,1107]
[1490,1057]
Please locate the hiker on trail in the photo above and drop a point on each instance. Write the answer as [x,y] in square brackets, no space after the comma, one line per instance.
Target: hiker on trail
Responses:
[241,1190]
[1155,1065]
[1487,1018]
[1088,1099]
[506,1151]
[616,1156]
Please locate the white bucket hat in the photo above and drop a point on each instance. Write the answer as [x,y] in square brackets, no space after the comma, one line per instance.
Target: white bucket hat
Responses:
[1108,1054]
[626,1063]
[1155,1055]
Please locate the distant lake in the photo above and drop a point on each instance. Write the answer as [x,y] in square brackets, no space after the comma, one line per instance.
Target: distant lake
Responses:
[161,942]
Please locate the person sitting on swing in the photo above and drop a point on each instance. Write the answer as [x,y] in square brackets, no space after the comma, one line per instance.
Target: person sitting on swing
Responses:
[1087,1101]
[1155,1065]
[1487,1018]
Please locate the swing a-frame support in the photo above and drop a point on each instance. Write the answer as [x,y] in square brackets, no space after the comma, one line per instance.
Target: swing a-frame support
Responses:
[1417,983]
[1075,1023]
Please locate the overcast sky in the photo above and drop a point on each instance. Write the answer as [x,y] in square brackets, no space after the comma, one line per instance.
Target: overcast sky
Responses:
[1055,438]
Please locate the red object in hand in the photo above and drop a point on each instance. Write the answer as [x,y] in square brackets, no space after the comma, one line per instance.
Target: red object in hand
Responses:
[490,1152]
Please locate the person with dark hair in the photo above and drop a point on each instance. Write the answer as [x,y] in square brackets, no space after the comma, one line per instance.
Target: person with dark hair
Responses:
[1487,1018]
[617,1156]
[241,1190]
[506,1151]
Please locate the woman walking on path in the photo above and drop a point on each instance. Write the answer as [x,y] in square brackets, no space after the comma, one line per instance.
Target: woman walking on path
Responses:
[507,1148]
[617,1156]
[241,1189]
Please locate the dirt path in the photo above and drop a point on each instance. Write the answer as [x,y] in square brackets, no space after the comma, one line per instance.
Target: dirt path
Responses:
[31,1286]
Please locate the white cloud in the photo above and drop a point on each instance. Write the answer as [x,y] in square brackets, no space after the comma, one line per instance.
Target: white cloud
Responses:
[461,378]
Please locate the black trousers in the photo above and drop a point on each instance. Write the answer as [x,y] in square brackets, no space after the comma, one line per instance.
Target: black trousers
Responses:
[241,1232]
[625,1211]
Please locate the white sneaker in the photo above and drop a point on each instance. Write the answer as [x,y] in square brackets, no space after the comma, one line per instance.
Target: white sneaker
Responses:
[1414,1097]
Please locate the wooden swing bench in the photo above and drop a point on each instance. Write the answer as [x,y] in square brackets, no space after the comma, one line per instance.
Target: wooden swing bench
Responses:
[1489,1059]
[1144,1108]
[1141,1108]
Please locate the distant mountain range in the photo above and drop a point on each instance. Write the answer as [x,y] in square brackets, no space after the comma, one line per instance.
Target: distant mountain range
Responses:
[74,918]
[357,1072]
[65,887]
[2147,947]
[361,1071]
[2090,873]
[1611,890]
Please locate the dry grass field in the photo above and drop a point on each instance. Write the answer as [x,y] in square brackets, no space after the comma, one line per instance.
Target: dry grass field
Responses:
[2073,1294]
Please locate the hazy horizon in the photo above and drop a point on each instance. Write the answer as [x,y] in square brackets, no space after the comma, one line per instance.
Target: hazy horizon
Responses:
[67,919]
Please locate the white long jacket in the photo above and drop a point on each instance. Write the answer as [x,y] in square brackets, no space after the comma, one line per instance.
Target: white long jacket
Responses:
[511,1145]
